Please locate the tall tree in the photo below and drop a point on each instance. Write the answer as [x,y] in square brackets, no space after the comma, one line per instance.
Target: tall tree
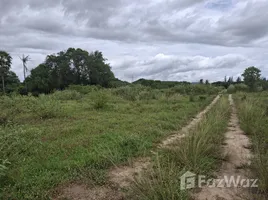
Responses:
[74,66]
[5,65]
[252,77]
[201,81]
[207,82]
[238,80]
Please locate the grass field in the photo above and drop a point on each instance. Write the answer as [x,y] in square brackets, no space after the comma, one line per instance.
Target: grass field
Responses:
[70,135]
[199,152]
[253,114]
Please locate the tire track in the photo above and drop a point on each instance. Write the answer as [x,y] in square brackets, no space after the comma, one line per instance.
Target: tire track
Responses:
[238,156]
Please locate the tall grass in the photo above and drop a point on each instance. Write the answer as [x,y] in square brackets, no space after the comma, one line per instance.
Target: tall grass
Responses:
[199,152]
[253,115]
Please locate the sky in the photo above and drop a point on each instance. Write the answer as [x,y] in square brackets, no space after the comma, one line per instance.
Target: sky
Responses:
[176,40]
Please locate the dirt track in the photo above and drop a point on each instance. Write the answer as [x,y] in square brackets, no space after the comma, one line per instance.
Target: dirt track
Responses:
[238,156]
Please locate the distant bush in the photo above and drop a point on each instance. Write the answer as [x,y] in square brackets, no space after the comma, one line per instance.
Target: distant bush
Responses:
[131,93]
[191,98]
[241,87]
[196,89]
[231,89]
[100,100]
[67,95]
[47,107]
[84,89]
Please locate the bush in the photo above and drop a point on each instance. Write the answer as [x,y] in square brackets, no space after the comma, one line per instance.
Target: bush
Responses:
[231,89]
[67,95]
[241,87]
[191,98]
[100,100]
[47,107]
[84,89]
[130,93]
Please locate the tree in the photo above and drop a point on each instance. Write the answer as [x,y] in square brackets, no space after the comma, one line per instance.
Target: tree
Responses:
[201,81]
[74,66]
[5,65]
[252,77]
[230,80]
[12,82]
[207,82]
[238,80]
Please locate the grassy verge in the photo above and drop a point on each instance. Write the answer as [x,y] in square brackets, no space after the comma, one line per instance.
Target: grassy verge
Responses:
[199,153]
[253,115]
[67,136]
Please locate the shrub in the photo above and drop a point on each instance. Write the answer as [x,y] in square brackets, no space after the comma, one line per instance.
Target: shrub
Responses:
[67,95]
[131,93]
[84,89]
[100,100]
[47,107]
[231,89]
[191,98]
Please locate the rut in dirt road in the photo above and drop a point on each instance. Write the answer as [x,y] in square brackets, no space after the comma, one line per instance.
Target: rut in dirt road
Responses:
[238,156]
[123,176]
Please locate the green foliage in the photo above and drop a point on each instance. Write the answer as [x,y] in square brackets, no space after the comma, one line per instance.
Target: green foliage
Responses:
[85,143]
[253,115]
[156,84]
[241,87]
[199,153]
[100,100]
[196,89]
[84,89]
[252,77]
[5,65]
[191,98]
[74,66]
[130,93]
[47,107]
[231,89]
[67,95]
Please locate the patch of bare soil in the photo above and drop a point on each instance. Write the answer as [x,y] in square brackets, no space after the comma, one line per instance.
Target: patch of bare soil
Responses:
[83,192]
[122,176]
[183,132]
[238,156]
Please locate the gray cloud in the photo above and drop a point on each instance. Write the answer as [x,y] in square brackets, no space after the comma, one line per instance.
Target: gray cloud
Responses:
[194,37]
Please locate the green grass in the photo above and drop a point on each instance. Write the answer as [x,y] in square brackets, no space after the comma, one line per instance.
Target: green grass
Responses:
[199,152]
[253,115]
[57,138]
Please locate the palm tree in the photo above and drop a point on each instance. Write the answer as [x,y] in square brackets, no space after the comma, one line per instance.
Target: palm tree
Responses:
[24,60]
[5,65]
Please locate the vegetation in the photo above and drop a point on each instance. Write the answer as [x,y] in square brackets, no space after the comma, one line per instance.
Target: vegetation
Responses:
[253,114]
[79,133]
[5,65]
[200,153]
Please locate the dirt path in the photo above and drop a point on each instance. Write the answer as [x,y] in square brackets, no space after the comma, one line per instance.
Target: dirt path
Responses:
[122,176]
[236,150]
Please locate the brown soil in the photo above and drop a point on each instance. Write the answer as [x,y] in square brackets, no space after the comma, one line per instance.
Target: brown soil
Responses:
[237,157]
[83,192]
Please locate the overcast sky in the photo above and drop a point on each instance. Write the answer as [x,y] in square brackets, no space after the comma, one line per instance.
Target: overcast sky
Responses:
[153,39]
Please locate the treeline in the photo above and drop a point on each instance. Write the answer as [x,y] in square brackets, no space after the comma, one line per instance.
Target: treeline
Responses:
[58,71]
[156,84]
[78,67]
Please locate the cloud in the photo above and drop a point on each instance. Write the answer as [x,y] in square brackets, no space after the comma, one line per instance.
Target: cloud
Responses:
[173,67]
[161,39]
